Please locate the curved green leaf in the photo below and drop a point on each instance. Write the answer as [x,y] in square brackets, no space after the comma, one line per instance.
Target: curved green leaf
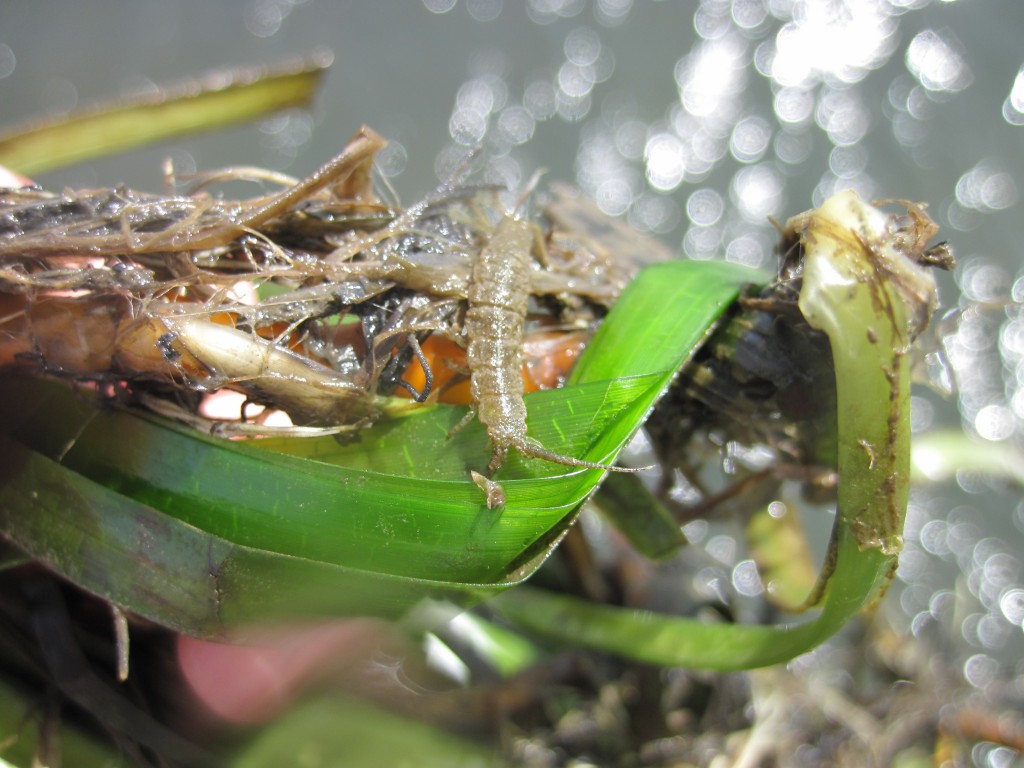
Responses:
[680,642]
[396,506]
[187,579]
[412,524]
[867,295]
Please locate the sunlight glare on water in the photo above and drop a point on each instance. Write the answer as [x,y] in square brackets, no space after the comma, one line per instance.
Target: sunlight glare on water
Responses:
[7,61]
[758,84]
[1013,107]
[936,60]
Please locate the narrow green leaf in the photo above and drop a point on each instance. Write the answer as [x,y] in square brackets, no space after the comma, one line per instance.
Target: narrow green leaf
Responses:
[410,525]
[174,573]
[218,100]
[640,516]
[680,642]
[868,295]
[938,456]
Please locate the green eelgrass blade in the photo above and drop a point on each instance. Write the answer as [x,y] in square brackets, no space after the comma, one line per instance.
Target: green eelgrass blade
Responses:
[213,102]
[939,455]
[680,642]
[185,578]
[640,516]
[416,524]
[395,507]
[867,295]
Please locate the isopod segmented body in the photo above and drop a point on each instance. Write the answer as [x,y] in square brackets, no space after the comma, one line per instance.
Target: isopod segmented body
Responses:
[498,300]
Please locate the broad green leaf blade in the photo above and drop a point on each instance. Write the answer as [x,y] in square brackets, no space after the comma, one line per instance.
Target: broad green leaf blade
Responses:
[215,101]
[174,573]
[867,294]
[410,525]
[396,504]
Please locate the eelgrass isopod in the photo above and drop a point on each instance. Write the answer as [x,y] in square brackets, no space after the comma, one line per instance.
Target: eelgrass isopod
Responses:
[498,300]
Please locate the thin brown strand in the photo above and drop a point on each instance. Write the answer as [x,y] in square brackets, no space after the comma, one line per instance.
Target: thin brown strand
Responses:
[360,149]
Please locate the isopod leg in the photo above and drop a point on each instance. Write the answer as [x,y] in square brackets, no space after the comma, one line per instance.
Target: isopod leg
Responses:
[492,490]
[533,450]
[498,456]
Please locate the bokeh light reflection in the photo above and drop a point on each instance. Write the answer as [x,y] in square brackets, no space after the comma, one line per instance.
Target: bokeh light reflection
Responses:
[980,670]
[484,10]
[794,105]
[666,161]
[935,59]
[652,212]
[8,61]
[831,40]
[1011,603]
[986,188]
[550,11]
[750,139]
[757,192]
[612,13]
[842,116]
[705,207]
[712,77]
[1013,107]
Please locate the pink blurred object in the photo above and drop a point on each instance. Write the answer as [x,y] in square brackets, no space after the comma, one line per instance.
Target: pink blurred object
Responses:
[250,684]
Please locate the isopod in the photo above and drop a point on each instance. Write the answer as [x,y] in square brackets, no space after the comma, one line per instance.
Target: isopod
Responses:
[498,299]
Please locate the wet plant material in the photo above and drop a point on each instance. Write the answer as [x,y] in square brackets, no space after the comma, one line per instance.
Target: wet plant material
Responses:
[588,706]
[58,654]
[873,699]
[760,396]
[313,300]
[759,400]
[333,304]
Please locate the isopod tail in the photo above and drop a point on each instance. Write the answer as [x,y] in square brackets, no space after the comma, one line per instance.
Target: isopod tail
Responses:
[535,451]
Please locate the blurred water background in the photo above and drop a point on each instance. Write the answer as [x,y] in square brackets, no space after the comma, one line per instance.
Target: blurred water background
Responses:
[697,122]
